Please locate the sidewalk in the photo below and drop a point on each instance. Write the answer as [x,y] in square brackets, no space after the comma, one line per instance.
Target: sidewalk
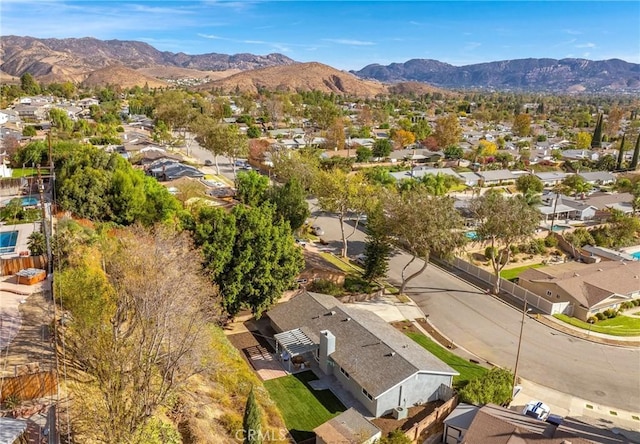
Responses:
[556,324]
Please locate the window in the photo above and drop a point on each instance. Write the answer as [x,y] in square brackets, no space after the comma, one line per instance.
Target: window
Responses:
[367,394]
[548,292]
[344,372]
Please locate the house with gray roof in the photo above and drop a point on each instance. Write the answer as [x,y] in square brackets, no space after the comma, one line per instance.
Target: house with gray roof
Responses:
[598,177]
[589,288]
[551,178]
[496,177]
[381,367]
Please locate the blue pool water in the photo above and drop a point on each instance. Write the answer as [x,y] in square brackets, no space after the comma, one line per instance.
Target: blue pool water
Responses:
[636,255]
[8,241]
[559,228]
[27,201]
[472,235]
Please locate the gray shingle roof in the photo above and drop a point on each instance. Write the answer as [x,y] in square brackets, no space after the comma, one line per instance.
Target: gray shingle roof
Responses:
[376,355]
[348,427]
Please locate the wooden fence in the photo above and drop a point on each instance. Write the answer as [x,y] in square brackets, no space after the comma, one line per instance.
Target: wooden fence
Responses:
[11,266]
[438,414]
[29,386]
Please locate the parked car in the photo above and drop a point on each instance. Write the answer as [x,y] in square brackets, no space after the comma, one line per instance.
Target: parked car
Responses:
[208,163]
[301,242]
[317,230]
[537,409]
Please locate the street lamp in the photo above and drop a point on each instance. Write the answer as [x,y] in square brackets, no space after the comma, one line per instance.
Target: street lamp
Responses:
[525,310]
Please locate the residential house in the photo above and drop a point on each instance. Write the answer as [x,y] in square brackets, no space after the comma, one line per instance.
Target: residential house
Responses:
[349,427]
[551,178]
[598,177]
[496,177]
[381,367]
[580,155]
[561,207]
[9,116]
[607,201]
[491,424]
[421,171]
[589,288]
[168,169]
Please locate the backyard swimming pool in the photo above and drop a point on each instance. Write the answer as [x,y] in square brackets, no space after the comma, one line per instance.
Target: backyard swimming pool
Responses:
[636,255]
[8,241]
[27,201]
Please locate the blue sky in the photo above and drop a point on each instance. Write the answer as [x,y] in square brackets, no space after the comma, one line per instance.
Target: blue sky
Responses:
[346,35]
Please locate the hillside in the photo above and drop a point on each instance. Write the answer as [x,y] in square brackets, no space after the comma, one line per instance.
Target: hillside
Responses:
[74,58]
[302,76]
[122,76]
[524,74]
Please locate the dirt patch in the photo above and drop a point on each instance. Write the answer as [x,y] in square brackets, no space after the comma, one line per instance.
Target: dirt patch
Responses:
[415,414]
[408,326]
[32,344]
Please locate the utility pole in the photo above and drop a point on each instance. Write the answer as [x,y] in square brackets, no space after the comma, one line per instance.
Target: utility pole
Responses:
[44,223]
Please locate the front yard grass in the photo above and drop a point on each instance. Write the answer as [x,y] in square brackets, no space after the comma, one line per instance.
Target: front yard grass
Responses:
[468,370]
[23,172]
[513,273]
[302,407]
[619,326]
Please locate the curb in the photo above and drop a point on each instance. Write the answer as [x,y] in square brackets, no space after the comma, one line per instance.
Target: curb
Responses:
[612,341]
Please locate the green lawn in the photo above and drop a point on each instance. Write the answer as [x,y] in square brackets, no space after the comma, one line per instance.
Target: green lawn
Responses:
[24,172]
[303,408]
[468,370]
[618,326]
[345,266]
[513,273]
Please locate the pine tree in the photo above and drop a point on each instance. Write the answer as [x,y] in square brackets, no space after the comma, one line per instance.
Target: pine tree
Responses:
[636,153]
[621,153]
[251,421]
[596,140]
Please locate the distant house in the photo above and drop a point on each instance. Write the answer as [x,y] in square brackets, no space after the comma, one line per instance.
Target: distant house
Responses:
[580,155]
[551,178]
[598,177]
[381,367]
[566,208]
[491,424]
[496,177]
[349,427]
[589,288]
[168,169]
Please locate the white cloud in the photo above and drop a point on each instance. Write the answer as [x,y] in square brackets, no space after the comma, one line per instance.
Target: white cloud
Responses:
[572,32]
[349,42]
[586,45]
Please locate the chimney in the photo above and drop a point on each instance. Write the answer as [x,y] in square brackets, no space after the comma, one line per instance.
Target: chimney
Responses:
[327,346]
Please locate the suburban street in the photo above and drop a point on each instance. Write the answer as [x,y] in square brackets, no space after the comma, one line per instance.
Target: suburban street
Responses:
[489,328]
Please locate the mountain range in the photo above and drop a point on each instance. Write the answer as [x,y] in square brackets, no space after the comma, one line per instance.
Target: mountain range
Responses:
[128,63]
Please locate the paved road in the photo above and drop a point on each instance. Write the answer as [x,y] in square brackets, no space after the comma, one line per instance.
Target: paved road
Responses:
[489,328]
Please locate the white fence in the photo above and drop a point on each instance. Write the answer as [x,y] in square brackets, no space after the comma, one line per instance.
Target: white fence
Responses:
[533,300]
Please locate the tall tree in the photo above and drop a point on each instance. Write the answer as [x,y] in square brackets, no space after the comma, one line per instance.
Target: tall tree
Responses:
[596,140]
[621,153]
[252,258]
[377,248]
[636,154]
[423,225]
[29,85]
[340,193]
[382,148]
[251,420]
[251,188]
[210,135]
[290,203]
[502,222]
[448,130]
[521,125]
[529,182]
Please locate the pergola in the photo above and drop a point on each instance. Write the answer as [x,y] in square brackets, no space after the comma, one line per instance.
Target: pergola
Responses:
[294,343]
